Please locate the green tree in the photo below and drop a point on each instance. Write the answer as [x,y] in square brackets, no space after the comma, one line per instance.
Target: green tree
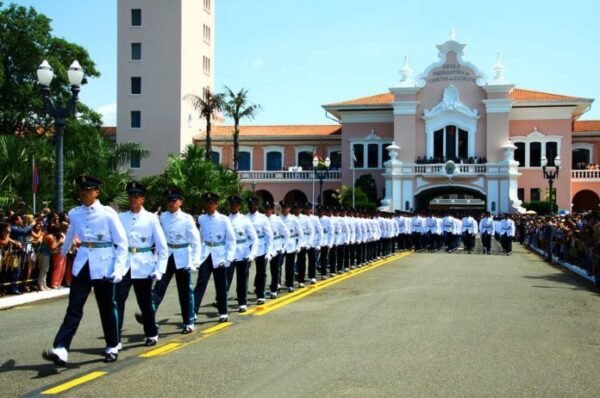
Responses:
[207,106]
[25,41]
[367,184]
[361,201]
[238,107]
[195,174]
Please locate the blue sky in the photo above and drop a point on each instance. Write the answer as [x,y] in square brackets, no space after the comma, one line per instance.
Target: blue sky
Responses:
[294,56]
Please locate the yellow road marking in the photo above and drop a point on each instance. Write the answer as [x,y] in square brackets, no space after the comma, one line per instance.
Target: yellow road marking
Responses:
[274,305]
[24,307]
[161,350]
[73,383]
[217,328]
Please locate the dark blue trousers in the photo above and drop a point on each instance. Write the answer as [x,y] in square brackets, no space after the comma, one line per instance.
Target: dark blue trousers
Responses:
[275,266]
[220,279]
[241,270]
[104,291]
[183,278]
[143,294]
[261,276]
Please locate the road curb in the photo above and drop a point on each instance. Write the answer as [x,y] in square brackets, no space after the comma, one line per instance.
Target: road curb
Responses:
[27,298]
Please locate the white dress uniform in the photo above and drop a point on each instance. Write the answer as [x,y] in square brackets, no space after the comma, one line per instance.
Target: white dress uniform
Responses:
[246,248]
[103,241]
[292,246]
[262,225]
[183,239]
[448,232]
[281,235]
[469,230]
[507,232]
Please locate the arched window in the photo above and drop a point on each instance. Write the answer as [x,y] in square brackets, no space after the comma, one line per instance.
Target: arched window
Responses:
[215,157]
[244,161]
[535,154]
[304,160]
[274,160]
[520,153]
[336,160]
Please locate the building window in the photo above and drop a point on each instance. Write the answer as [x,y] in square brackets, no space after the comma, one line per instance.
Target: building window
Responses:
[206,33]
[358,155]
[274,161]
[136,17]
[336,160]
[206,64]
[136,119]
[581,158]
[521,194]
[373,156]
[535,154]
[244,161]
[450,143]
[207,5]
[304,160]
[136,51]
[520,153]
[551,152]
[534,194]
[136,85]
[215,157]
[385,154]
[135,161]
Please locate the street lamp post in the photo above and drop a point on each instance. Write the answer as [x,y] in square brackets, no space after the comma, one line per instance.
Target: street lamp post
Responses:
[58,111]
[550,175]
[321,172]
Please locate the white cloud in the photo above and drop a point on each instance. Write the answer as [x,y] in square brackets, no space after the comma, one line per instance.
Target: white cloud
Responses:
[109,114]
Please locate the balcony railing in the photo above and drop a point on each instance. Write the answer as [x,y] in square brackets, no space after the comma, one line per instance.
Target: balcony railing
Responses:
[585,175]
[463,169]
[286,176]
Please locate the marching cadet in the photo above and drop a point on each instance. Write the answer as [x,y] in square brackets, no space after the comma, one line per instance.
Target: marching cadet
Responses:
[457,230]
[281,235]
[469,230]
[448,232]
[336,230]
[326,241]
[265,247]
[487,230]
[315,244]
[304,242]
[342,248]
[292,244]
[144,233]
[417,226]
[364,228]
[354,236]
[431,231]
[218,252]
[246,248]
[507,233]
[100,263]
[183,242]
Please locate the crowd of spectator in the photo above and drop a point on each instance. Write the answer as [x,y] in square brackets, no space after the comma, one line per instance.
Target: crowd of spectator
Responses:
[574,238]
[30,255]
[443,159]
[586,166]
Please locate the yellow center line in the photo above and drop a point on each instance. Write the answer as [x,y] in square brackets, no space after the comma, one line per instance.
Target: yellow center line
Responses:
[328,282]
[24,307]
[161,350]
[73,383]
[217,328]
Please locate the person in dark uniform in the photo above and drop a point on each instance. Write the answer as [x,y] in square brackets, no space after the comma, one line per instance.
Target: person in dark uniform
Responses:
[100,263]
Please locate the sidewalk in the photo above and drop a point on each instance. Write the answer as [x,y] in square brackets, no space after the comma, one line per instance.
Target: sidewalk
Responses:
[26,298]
[576,270]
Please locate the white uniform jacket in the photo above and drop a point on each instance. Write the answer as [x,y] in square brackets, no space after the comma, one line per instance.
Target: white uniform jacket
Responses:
[327,231]
[218,239]
[417,225]
[448,225]
[295,230]
[281,234]
[344,237]
[262,225]
[469,225]
[183,239]
[308,232]
[487,226]
[507,227]
[103,240]
[144,232]
[431,225]
[317,240]
[246,238]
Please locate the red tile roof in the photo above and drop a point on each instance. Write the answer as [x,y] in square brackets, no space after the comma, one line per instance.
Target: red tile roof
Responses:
[586,125]
[279,131]
[516,94]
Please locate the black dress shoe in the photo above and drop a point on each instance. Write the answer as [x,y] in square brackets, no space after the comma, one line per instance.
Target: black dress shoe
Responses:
[150,342]
[138,318]
[52,357]
[110,357]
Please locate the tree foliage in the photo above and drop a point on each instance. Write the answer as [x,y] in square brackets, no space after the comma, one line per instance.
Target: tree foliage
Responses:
[367,184]
[196,175]
[208,106]
[25,41]
[238,107]
[361,200]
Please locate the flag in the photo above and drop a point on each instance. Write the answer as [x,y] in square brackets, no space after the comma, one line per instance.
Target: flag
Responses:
[36,178]
[353,156]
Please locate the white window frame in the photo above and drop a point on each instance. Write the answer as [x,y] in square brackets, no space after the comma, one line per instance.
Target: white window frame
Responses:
[135,168]
[131,18]
[219,150]
[537,136]
[131,86]
[273,148]
[250,150]
[131,51]
[587,146]
[372,138]
[303,148]
[131,119]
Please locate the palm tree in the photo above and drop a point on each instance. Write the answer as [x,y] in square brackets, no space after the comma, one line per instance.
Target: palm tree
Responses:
[237,108]
[207,106]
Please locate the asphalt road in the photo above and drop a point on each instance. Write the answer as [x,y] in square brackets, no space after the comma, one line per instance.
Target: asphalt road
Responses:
[424,325]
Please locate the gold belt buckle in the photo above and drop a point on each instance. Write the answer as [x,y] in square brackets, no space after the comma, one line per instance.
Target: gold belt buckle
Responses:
[89,245]
[134,250]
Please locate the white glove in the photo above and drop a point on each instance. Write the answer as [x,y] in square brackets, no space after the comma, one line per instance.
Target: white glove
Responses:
[268,257]
[250,259]
[116,277]
[156,275]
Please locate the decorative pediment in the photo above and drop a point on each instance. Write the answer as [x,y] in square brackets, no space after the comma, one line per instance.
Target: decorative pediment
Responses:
[451,103]
[372,136]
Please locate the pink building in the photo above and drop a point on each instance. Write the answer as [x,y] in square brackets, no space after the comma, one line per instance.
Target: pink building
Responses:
[449,136]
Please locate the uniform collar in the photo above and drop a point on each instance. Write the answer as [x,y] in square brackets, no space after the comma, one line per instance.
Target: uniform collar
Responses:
[94,206]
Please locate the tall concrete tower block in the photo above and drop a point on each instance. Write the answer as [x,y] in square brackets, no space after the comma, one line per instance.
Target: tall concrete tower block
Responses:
[165,51]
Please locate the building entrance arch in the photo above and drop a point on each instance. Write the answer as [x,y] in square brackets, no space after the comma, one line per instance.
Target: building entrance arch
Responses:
[585,200]
[450,197]
[295,196]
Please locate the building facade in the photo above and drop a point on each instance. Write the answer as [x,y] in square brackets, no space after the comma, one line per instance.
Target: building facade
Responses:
[449,136]
[165,51]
